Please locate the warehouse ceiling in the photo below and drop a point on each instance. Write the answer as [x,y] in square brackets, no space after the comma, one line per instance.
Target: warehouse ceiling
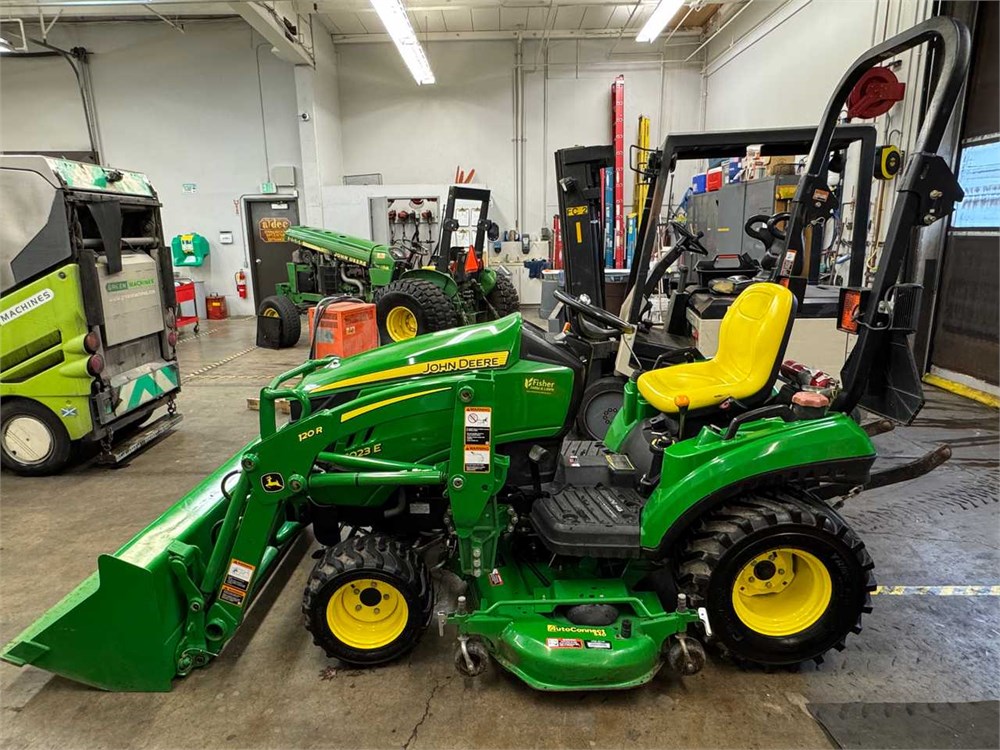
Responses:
[355,20]
[348,18]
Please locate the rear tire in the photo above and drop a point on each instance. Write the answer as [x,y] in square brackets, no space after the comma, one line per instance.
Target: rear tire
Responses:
[368,600]
[782,576]
[412,307]
[503,297]
[276,306]
[33,441]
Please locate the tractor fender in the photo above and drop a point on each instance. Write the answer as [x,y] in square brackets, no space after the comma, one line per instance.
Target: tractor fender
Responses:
[702,473]
[441,280]
[381,267]
[487,280]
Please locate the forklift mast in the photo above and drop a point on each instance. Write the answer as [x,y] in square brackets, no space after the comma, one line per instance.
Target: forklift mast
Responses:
[580,187]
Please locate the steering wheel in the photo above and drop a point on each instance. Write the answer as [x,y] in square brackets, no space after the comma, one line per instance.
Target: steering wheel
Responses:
[780,218]
[756,227]
[594,313]
[692,242]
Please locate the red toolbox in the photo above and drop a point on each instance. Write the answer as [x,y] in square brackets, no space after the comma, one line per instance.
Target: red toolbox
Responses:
[346,328]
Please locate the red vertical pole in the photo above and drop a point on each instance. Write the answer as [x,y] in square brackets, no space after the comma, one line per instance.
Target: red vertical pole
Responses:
[618,134]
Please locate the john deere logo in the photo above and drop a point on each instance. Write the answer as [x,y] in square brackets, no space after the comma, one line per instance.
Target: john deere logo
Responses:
[121,286]
[272,482]
[540,385]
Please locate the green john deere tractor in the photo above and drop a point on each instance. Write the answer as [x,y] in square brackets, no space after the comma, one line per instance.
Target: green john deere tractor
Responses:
[704,516]
[456,289]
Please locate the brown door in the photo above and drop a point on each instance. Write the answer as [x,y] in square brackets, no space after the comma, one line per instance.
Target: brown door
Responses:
[966,314]
[267,220]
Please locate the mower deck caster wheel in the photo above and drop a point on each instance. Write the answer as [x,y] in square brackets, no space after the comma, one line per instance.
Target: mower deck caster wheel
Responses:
[471,656]
[685,655]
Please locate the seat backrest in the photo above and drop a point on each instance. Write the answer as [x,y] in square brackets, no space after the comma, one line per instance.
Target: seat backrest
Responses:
[754,333]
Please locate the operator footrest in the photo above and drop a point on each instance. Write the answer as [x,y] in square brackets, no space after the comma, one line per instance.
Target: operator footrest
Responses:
[590,521]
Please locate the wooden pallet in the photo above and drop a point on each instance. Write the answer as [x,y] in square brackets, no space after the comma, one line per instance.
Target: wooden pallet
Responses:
[282,405]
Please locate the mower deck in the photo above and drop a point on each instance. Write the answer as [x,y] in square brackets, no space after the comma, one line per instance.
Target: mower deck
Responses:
[523,610]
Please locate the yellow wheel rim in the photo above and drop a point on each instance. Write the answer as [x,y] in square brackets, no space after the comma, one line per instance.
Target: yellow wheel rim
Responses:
[366,614]
[782,591]
[401,324]
[270,312]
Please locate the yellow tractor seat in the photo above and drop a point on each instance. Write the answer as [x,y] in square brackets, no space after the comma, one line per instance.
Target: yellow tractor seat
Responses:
[752,342]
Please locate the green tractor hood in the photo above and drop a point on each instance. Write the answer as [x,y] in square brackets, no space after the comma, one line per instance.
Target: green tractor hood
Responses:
[492,345]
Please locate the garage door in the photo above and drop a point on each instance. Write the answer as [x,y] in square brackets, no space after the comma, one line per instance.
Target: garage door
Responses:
[964,345]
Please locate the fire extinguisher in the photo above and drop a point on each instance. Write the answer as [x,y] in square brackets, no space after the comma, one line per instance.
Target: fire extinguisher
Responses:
[241,283]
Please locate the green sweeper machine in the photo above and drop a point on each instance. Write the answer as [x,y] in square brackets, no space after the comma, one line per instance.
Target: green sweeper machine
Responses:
[707,514]
[411,299]
[88,324]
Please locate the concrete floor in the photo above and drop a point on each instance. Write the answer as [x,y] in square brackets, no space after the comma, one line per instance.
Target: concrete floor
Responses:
[273,688]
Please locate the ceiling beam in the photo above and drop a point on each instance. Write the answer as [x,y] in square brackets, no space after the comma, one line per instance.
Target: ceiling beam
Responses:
[266,23]
[492,36]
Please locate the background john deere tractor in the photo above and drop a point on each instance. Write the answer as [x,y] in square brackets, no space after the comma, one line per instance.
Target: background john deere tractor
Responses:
[411,298]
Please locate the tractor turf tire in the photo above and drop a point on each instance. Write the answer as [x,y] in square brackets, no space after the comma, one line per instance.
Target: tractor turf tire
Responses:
[730,537]
[285,309]
[504,297]
[370,557]
[432,308]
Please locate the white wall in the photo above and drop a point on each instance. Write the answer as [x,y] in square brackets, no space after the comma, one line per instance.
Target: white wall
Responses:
[794,66]
[183,108]
[568,103]
[419,134]
[318,96]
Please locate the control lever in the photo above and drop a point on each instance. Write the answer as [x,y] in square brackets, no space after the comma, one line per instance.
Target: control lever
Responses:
[682,403]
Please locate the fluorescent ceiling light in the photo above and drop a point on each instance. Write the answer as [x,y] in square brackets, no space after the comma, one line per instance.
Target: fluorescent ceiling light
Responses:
[658,20]
[397,24]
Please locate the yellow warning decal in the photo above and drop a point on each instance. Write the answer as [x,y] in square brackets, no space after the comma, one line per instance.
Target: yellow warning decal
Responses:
[579,232]
[486,361]
[576,210]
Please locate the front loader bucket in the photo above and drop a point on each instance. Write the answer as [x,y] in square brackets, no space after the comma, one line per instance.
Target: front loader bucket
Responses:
[120,628]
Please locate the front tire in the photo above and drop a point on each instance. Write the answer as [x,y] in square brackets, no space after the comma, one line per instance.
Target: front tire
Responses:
[368,600]
[782,576]
[283,308]
[412,307]
[33,441]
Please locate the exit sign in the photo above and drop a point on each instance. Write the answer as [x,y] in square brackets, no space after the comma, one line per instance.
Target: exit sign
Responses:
[268,188]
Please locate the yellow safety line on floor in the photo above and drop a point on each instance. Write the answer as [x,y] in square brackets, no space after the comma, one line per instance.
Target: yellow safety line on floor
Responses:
[221,362]
[963,390]
[937,591]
